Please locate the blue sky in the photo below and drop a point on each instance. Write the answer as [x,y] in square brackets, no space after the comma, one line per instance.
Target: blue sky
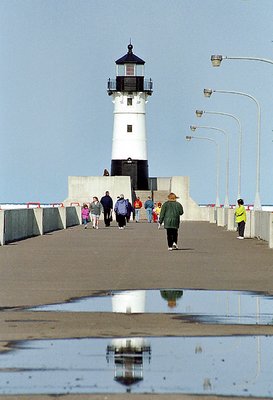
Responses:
[56,118]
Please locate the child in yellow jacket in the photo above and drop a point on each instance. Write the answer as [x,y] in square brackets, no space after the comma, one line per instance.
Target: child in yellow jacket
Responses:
[240,214]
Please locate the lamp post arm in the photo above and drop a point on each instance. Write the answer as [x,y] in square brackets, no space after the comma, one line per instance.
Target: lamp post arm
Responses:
[235,92]
[217,203]
[266,60]
[223,113]
[210,127]
[227,158]
[240,145]
[257,203]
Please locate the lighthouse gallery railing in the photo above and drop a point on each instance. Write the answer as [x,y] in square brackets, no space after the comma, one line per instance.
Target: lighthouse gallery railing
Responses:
[147,85]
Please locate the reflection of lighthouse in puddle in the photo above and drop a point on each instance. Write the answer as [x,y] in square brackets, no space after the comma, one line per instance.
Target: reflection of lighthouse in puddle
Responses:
[129,354]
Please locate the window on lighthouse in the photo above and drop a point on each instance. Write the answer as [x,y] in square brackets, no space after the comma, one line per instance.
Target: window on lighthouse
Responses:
[129,128]
[130,69]
[129,101]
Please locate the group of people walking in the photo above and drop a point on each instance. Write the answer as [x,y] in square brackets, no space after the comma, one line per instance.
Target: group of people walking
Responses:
[95,209]
[122,209]
[167,214]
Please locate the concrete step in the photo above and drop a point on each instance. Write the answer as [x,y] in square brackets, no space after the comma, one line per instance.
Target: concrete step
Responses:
[158,196]
[143,195]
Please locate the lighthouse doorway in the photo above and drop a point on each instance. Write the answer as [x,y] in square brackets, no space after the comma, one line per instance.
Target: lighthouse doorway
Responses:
[136,169]
[129,168]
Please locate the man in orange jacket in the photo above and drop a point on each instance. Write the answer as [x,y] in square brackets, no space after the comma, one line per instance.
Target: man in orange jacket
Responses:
[137,207]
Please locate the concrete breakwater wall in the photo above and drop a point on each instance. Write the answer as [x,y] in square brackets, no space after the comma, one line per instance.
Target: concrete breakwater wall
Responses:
[259,224]
[24,223]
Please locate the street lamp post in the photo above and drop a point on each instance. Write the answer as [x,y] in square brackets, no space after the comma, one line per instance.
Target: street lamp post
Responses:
[217,203]
[217,59]
[208,93]
[193,128]
[199,114]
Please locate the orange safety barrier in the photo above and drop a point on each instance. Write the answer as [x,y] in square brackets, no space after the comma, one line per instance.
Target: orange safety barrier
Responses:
[75,203]
[57,204]
[30,203]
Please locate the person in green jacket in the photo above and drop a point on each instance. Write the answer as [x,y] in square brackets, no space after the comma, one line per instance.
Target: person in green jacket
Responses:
[170,216]
[240,214]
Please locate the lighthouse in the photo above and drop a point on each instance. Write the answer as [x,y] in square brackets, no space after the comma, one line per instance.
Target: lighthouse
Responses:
[129,353]
[130,91]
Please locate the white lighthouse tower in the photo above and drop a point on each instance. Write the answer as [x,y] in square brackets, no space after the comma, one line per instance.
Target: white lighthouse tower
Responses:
[129,353]
[129,91]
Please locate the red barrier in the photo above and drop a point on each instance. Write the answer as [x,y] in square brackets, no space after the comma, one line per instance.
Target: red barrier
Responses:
[38,204]
[75,203]
[57,204]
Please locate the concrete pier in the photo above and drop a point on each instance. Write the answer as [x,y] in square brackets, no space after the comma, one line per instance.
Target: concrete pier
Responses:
[75,262]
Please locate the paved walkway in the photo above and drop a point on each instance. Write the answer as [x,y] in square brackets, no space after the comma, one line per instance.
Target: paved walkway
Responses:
[77,262]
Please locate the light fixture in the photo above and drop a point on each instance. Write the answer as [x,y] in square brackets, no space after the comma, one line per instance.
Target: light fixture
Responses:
[208,92]
[199,113]
[216,60]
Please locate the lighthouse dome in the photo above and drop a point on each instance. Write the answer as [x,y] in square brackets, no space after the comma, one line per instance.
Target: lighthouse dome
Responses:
[130,57]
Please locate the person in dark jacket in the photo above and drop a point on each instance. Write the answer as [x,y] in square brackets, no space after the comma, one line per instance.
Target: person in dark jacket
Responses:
[170,215]
[130,210]
[107,204]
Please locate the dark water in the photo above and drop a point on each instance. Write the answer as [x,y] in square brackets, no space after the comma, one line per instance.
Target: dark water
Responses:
[231,366]
[225,307]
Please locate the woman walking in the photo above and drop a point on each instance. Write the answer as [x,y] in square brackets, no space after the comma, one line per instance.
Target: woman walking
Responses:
[95,210]
[170,216]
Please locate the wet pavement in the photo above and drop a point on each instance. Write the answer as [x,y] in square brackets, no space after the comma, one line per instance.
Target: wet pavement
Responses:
[230,366]
[134,317]
[207,306]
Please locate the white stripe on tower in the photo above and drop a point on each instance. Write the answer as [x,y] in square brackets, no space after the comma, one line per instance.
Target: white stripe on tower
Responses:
[129,144]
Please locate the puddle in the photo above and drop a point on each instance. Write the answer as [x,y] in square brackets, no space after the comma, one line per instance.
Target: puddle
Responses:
[225,307]
[229,366]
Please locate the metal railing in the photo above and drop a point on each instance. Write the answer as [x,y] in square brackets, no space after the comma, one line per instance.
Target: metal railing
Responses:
[147,85]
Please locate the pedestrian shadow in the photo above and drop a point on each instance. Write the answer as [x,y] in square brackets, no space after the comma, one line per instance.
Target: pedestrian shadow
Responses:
[185,249]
